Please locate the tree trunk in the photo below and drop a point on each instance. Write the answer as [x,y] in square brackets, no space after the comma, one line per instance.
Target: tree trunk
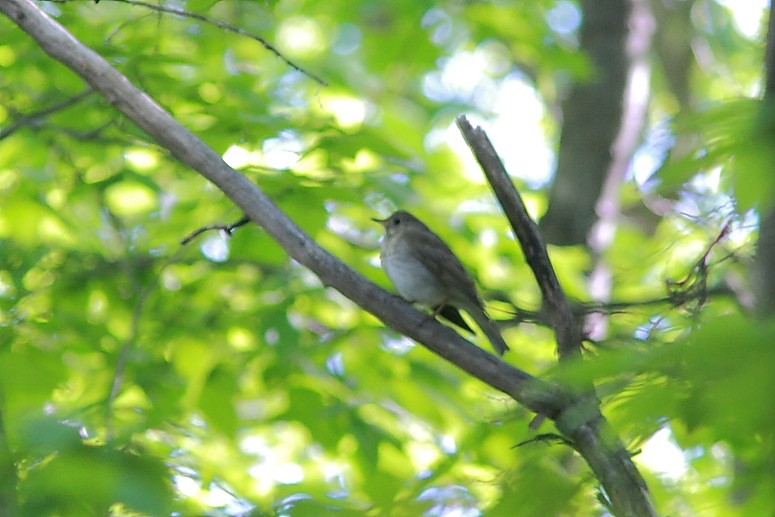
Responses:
[764,266]
[602,119]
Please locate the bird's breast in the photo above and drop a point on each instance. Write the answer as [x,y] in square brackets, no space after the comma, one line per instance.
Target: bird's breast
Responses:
[410,277]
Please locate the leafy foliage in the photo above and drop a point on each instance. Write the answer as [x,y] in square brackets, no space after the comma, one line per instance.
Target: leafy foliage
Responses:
[139,376]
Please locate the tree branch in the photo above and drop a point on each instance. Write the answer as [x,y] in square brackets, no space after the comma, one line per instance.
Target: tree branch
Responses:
[556,304]
[578,419]
[582,422]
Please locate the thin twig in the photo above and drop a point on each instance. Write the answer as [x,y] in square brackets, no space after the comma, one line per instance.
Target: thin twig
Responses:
[692,288]
[123,358]
[31,119]
[696,282]
[225,26]
[548,438]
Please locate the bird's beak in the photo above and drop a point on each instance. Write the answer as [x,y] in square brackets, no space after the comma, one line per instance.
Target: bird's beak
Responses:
[380,221]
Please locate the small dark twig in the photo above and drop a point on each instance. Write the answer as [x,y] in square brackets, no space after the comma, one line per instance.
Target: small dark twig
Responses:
[676,298]
[548,438]
[227,228]
[695,285]
[519,316]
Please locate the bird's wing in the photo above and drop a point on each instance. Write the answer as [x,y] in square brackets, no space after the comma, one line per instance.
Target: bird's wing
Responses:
[435,255]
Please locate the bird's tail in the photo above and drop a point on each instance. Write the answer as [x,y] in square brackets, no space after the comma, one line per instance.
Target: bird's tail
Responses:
[489,328]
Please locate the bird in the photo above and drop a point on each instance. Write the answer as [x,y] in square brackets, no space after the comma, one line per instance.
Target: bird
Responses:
[425,270]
